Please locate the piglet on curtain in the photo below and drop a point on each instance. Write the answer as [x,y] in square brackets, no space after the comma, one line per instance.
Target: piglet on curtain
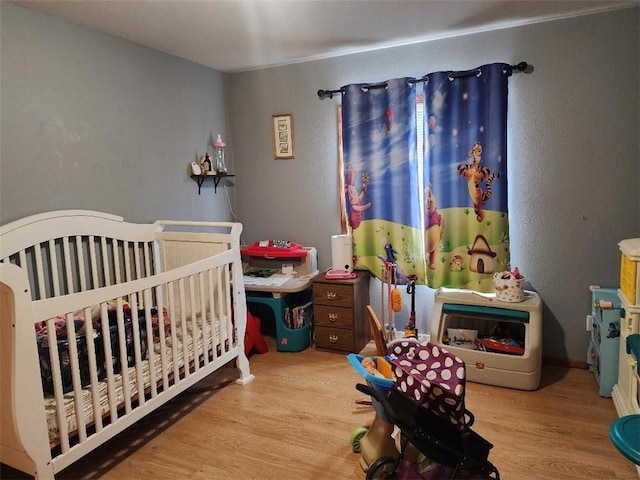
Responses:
[382,186]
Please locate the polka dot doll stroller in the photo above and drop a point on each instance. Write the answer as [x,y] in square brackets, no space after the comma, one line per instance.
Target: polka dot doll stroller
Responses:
[426,404]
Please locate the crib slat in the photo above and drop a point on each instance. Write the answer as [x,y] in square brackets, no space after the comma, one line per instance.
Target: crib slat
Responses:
[93,369]
[151,355]
[129,263]
[124,353]
[127,260]
[136,256]
[221,311]
[93,261]
[66,265]
[54,364]
[40,271]
[108,355]
[124,370]
[216,313]
[82,279]
[183,323]
[173,314]
[162,340]
[75,377]
[116,261]
[203,318]
[147,260]
[209,318]
[138,264]
[22,259]
[105,261]
[194,323]
[137,353]
[229,320]
[53,266]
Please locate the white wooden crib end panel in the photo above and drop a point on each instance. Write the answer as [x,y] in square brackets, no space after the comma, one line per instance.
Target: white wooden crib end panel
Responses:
[24,439]
[180,249]
[43,227]
[176,249]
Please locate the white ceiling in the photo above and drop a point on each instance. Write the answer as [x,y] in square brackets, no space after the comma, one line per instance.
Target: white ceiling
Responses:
[239,35]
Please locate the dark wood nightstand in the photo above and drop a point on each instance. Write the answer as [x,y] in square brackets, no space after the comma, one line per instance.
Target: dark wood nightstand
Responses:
[340,316]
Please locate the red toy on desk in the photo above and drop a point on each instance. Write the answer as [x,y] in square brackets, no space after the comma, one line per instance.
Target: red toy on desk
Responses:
[339,274]
[274,249]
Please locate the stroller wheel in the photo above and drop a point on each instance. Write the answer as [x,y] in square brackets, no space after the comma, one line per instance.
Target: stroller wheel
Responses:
[383,468]
[356,438]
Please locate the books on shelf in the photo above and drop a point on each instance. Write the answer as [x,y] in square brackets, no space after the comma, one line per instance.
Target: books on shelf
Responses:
[299,315]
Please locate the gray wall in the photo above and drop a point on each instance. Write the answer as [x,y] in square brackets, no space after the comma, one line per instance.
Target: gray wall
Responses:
[94,122]
[573,151]
[91,121]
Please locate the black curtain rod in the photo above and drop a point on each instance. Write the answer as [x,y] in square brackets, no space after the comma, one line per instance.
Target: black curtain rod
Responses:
[520,67]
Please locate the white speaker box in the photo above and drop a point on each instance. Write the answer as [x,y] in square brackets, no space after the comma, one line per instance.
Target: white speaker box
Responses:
[341,253]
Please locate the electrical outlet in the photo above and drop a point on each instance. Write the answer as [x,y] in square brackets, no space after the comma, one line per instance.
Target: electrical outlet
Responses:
[589,320]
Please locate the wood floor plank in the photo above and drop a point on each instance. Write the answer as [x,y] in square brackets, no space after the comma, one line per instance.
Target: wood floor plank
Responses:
[294,421]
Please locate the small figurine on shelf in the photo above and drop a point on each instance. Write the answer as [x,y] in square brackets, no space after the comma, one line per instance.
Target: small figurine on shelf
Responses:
[206,164]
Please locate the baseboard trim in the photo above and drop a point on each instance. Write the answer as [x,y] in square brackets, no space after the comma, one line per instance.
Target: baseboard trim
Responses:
[565,362]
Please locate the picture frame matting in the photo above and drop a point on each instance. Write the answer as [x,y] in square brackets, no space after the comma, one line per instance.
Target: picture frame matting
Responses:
[283,142]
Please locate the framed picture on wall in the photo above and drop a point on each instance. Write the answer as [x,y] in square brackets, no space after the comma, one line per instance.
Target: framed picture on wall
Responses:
[283,145]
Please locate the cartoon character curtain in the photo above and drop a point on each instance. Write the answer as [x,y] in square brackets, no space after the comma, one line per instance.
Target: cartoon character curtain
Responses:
[443,222]
[465,177]
[382,184]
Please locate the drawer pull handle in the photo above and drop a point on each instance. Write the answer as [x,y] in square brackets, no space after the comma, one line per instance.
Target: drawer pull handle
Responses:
[333,338]
[331,295]
[333,317]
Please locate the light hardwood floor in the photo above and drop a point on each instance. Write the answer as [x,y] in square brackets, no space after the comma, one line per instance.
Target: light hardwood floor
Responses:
[294,421]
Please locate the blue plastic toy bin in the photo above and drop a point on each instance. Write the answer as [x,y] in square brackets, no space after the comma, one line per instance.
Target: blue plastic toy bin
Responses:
[379,383]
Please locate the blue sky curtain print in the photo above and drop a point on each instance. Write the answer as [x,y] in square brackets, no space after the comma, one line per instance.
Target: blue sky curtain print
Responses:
[382,184]
[466,234]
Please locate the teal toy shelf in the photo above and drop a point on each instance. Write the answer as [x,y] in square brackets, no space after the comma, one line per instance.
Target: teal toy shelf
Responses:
[604,344]
[287,339]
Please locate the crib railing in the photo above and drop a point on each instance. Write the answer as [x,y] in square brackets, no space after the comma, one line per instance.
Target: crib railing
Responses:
[110,366]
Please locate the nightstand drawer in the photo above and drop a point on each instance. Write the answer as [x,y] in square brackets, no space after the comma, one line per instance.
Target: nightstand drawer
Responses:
[331,316]
[332,338]
[331,294]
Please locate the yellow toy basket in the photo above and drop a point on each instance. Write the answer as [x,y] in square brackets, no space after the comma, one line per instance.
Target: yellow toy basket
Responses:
[629,270]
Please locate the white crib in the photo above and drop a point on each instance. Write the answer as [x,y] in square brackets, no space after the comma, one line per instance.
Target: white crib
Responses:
[127,315]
